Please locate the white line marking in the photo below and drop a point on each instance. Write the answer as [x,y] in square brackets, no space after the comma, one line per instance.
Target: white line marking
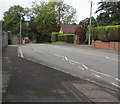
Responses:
[117,79]
[105,75]
[102,73]
[71,63]
[66,58]
[84,66]
[58,55]
[81,67]
[96,75]
[21,53]
[107,57]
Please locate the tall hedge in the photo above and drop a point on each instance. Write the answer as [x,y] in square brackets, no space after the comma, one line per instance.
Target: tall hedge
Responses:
[54,36]
[106,33]
[66,37]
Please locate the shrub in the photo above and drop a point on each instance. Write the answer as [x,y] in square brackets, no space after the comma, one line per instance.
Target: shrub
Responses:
[69,39]
[61,38]
[54,36]
[106,33]
[66,37]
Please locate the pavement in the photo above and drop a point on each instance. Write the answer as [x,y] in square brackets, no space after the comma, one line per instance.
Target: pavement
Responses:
[27,81]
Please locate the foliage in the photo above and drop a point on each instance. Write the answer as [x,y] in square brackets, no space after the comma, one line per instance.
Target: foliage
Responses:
[106,33]
[60,34]
[54,36]
[109,13]
[79,31]
[66,38]
[61,38]
[59,42]
[69,39]
[39,21]
[12,19]
[49,16]
[85,23]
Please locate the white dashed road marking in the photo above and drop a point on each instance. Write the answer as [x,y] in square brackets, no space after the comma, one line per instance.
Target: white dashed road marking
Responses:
[84,66]
[107,57]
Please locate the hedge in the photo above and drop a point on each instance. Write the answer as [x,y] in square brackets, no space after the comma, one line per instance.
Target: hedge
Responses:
[55,36]
[106,33]
[66,38]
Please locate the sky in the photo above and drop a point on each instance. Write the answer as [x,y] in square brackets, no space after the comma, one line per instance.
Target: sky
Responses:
[82,6]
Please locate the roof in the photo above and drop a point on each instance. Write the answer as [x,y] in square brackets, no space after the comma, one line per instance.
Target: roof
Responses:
[68,28]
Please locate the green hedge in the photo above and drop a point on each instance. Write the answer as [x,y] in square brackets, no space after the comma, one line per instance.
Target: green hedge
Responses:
[69,39]
[66,38]
[54,36]
[106,33]
[61,38]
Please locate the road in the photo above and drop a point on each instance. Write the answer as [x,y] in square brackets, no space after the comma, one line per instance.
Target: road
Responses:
[91,64]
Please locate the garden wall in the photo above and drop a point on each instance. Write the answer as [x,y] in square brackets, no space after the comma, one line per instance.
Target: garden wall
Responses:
[111,45]
[4,39]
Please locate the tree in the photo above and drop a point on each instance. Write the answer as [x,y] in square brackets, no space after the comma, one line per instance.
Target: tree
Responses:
[80,31]
[65,13]
[49,16]
[12,19]
[85,23]
[109,13]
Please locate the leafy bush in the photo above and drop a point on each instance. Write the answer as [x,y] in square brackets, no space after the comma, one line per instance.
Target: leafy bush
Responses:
[66,37]
[54,36]
[61,38]
[106,33]
[69,39]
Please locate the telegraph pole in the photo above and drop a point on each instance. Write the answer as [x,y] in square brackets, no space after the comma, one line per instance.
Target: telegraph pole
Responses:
[90,22]
[20,30]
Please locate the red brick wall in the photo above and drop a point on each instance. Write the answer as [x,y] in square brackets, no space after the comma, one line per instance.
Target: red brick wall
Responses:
[111,45]
[117,45]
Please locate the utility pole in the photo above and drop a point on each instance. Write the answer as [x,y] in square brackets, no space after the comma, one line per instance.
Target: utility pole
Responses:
[90,27]
[20,30]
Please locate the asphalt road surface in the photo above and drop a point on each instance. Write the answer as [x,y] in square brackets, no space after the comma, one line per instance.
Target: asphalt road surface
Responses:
[24,81]
[91,64]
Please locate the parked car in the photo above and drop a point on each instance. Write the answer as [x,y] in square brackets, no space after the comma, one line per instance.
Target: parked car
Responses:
[27,41]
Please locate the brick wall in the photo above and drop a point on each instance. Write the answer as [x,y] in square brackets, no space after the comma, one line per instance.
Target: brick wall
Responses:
[111,45]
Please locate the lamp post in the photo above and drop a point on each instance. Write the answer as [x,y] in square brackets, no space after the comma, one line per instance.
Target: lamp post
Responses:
[20,30]
[90,22]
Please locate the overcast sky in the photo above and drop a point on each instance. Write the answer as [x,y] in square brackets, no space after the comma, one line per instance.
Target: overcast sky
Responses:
[82,6]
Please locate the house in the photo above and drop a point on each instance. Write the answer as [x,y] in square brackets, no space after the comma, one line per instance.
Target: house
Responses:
[74,31]
[68,29]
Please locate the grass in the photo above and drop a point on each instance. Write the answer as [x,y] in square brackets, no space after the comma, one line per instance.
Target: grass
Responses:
[59,42]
